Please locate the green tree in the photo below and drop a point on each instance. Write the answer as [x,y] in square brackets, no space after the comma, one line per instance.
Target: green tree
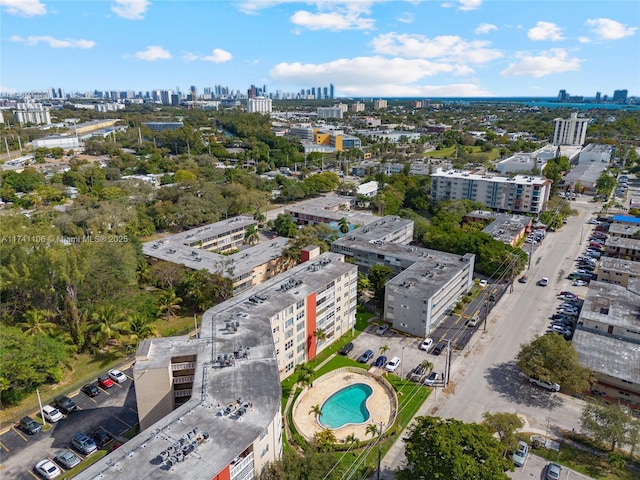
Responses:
[36,322]
[169,303]
[107,324]
[320,334]
[551,358]
[343,225]
[324,439]
[505,425]
[305,374]
[285,225]
[378,277]
[316,411]
[373,430]
[384,349]
[451,449]
[606,422]
[251,235]
[364,285]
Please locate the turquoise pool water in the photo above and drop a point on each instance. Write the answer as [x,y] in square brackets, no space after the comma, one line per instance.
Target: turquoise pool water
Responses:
[346,406]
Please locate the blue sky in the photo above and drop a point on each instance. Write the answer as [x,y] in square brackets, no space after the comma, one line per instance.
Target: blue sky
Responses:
[414,48]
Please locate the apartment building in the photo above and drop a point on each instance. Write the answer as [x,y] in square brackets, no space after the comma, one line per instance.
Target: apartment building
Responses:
[617,271]
[607,340]
[519,194]
[259,105]
[328,209]
[336,139]
[325,113]
[427,282]
[570,131]
[208,247]
[379,104]
[509,229]
[34,113]
[625,248]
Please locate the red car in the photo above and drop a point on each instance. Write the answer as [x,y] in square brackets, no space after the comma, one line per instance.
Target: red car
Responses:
[105,382]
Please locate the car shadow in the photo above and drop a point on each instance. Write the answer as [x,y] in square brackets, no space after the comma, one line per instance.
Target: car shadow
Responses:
[507,380]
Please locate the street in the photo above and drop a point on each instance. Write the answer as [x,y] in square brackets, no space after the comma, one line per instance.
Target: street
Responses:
[484,377]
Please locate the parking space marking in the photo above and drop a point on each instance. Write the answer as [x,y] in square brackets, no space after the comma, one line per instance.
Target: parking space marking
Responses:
[133,410]
[4,446]
[103,390]
[123,422]
[33,474]
[20,434]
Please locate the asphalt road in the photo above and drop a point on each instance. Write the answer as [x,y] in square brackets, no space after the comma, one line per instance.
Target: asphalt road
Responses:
[114,409]
[484,377]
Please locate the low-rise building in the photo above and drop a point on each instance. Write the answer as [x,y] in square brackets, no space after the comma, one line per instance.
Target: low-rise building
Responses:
[626,248]
[596,152]
[617,271]
[607,339]
[328,209]
[506,228]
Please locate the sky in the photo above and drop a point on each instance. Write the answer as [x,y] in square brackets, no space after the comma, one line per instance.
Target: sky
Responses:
[365,48]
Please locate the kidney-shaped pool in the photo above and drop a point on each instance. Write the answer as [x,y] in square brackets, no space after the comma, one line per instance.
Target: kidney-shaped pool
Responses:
[347,406]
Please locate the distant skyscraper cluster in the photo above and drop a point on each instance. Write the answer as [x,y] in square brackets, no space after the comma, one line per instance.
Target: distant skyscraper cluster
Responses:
[318,93]
[619,97]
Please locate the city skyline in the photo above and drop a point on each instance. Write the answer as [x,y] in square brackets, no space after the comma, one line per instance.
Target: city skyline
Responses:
[465,48]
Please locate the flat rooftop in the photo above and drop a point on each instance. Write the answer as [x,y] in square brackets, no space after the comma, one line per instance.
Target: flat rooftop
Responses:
[608,355]
[618,229]
[505,227]
[375,231]
[517,179]
[253,378]
[585,172]
[619,265]
[621,242]
[611,304]
[328,207]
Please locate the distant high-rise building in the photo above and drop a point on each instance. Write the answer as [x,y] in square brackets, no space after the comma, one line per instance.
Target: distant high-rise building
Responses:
[331,91]
[33,113]
[571,131]
[597,97]
[252,92]
[379,104]
[259,105]
[563,95]
[620,96]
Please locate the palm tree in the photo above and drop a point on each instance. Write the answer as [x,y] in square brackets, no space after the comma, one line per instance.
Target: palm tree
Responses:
[305,374]
[36,322]
[427,365]
[320,334]
[372,429]
[343,225]
[169,303]
[251,235]
[107,324]
[351,439]
[316,411]
[324,439]
[384,349]
[140,327]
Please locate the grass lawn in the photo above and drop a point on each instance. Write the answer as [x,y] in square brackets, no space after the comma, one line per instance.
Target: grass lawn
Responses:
[450,152]
[175,326]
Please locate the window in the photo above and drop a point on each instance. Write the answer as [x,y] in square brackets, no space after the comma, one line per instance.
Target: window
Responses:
[300,337]
[288,345]
[276,329]
[288,323]
[300,304]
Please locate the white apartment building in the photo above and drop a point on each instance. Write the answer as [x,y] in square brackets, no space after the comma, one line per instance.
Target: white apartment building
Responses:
[259,105]
[519,194]
[571,131]
[33,113]
[325,113]
[379,104]
[356,107]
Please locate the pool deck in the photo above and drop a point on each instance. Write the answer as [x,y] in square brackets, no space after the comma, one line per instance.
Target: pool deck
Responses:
[380,404]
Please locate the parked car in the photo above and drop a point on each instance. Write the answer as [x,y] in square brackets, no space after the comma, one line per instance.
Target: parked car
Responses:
[426,344]
[29,425]
[65,404]
[437,350]
[117,376]
[90,389]
[67,459]
[47,469]
[473,322]
[83,443]
[382,329]
[551,386]
[393,364]
[523,279]
[543,282]
[102,437]
[52,414]
[105,382]
[520,455]
[417,373]
[580,283]
[380,361]
[366,356]
[432,379]
[553,471]
[346,349]
[565,293]
[483,283]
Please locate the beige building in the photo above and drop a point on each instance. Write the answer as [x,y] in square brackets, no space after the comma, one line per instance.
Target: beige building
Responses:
[379,104]
[607,340]
[617,271]
[625,248]
[519,194]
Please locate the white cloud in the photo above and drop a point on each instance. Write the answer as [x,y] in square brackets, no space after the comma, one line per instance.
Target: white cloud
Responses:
[363,73]
[545,31]
[485,28]
[218,56]
[406,17]
[464,5]
[584,39]
[608,29]
[446,48]
[555,60]
[25,8]
[34,40]
[336,17]
[153,53]
[130,9]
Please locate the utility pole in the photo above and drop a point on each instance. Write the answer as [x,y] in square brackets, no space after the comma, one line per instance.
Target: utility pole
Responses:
[44,421]
[379,452]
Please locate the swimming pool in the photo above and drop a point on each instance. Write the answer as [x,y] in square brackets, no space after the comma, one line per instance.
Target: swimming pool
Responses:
[347,406]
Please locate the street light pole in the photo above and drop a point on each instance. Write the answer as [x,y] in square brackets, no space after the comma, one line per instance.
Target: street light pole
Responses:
[402,363]
[379,451]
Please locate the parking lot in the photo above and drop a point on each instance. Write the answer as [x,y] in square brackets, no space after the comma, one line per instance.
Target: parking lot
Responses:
[535,468]
[114,409]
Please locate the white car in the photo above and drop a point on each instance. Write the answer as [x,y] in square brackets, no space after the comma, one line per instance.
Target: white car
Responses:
[47,469]
[432,379]
[554,387]
[117,376]
[393,364]
[52,414]
[543,282]
[520,455]
[483,283]
[580,283]
[426,344]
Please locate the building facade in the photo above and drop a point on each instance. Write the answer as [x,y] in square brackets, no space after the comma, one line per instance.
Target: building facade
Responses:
[33,113]
[519,194]
[570,131]
[259,105]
